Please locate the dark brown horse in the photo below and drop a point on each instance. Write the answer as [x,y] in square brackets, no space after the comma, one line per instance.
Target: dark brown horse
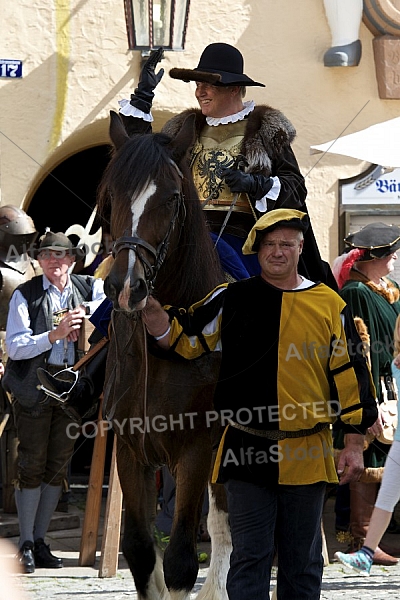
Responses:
[161,407]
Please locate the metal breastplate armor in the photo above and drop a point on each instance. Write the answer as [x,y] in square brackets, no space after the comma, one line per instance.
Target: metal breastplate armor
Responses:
[12,274]
[215,150]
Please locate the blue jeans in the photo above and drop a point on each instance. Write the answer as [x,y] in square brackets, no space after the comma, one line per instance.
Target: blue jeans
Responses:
[286,518]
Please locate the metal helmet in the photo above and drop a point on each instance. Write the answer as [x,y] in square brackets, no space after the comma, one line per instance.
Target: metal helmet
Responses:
[16,229]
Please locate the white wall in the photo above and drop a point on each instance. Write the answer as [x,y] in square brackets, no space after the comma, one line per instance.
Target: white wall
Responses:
[77,66]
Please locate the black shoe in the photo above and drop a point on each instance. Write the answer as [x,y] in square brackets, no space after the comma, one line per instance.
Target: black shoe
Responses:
[26,558]
[57,388]
[44,558]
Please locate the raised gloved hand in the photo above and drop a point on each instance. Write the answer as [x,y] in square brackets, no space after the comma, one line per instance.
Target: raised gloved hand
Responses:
[256,186]
[149,79]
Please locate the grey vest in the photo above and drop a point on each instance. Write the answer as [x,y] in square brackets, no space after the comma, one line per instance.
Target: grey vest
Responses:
[20,378]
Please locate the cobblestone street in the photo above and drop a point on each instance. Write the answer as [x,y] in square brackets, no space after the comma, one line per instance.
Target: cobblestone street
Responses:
[74,581]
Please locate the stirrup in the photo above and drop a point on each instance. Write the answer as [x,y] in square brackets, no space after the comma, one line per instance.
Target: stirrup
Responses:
[63,397]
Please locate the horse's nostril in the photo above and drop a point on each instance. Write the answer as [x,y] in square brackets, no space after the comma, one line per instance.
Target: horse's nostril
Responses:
[138,292]
[137,285]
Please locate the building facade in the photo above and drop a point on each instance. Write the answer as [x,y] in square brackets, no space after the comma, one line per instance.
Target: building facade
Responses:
[76,65]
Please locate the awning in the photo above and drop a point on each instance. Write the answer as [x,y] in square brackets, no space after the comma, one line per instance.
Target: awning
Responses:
[378,144]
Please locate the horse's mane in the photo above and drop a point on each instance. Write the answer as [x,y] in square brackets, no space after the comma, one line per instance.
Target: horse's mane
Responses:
[192,268]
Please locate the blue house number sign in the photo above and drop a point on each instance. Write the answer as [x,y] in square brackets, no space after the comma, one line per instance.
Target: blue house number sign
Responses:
[10,68]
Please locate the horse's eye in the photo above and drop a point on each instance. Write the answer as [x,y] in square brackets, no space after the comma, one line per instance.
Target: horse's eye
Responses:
[172,201]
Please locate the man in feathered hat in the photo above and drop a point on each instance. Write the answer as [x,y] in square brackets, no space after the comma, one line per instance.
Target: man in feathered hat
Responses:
[291,365]
[362,274]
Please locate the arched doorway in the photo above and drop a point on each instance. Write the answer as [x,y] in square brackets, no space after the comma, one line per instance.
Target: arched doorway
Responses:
[68,194]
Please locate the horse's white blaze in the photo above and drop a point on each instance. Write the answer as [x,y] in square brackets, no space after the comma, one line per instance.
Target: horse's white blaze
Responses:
[214,587]
[139,204]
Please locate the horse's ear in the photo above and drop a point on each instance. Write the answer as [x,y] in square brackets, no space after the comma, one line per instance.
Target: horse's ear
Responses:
[117,130]
[185,139]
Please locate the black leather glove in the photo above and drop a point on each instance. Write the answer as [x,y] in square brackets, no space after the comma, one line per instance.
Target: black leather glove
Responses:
[255,186]
[143,96]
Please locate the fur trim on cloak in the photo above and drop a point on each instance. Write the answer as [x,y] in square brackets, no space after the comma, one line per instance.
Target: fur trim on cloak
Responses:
[362,331]
[268,131]
[390,292]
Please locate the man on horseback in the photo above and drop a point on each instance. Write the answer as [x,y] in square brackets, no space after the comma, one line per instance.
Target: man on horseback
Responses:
[242,161]
[243,166]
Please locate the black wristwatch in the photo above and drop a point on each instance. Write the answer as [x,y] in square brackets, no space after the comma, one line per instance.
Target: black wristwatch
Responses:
[87,308]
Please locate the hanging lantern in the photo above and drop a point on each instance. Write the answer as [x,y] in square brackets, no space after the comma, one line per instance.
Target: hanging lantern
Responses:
[151,24]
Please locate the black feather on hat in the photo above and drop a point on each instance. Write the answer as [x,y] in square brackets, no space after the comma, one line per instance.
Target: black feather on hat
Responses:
[220,64]
[378,239]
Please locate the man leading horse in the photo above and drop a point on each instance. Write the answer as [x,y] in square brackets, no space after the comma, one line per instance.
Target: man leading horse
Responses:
[283,380]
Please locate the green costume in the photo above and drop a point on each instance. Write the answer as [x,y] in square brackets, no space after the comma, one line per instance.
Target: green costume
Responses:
[378,307]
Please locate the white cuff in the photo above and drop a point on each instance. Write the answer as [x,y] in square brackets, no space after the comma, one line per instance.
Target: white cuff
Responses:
[163,335]
[261,205]
[128,110]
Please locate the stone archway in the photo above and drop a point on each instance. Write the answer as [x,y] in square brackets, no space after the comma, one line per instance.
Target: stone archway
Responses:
[67,195]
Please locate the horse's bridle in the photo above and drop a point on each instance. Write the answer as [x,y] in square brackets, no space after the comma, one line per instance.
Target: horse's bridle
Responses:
[137,244]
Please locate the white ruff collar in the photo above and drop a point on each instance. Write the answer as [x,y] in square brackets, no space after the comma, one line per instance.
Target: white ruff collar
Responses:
[239,116]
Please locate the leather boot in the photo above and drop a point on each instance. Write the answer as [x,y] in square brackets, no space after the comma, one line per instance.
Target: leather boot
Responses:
[26,558]
[79,400]
[44,558]
[362,501]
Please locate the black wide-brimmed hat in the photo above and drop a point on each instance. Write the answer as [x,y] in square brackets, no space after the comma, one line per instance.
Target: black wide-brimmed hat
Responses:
[220,64]
[59,242]
[378,239]
[281,217]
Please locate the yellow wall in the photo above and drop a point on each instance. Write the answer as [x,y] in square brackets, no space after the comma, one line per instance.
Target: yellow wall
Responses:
[76,66]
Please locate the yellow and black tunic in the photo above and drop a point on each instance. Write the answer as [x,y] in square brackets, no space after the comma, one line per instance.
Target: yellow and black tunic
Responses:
[291,362]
